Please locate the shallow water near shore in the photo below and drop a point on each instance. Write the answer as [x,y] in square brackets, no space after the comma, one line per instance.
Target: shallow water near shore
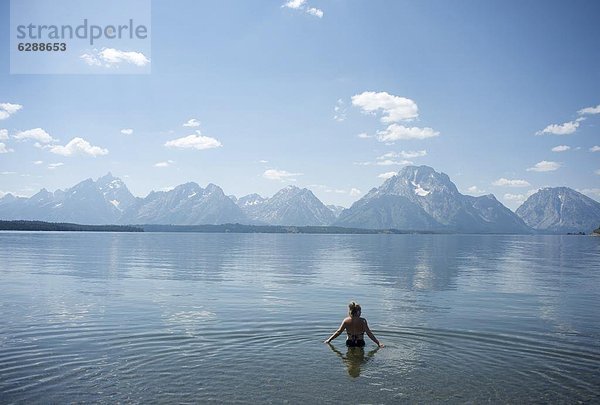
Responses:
[174,317]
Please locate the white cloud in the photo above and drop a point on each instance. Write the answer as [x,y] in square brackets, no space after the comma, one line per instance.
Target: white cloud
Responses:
[475,190]
[3,193]
[38,162]
[8,109]
[197,141]
[590,110]
[387,175]
[3,134]
[518,198]
[404,154]
[364,135]
[301,5]
[263,161]
[544,166]
[389,162]
[570,127]
[339,111]
[37,134]
[560,129]
[110,57]
[127,131]
[381,161]
[164,164]
[53,166]
[4,149]
[413,154]
[327,189]
[281,175]
[192,123]
[78,146]
[396,132]
[591,192]
[502,182]
[393,108]
[597,172]
[315,11]
[354,192]
[389,155]
[90,59]
[294,4]
[561,148]
[595,148]
[115,56]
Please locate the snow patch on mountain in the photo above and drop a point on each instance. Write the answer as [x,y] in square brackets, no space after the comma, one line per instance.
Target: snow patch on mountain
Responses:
[420,191]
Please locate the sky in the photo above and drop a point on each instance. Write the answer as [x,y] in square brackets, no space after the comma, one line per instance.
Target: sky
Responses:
[332,95]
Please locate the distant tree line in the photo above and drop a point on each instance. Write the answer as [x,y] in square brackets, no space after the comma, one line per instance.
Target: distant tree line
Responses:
[53,226]
[21,225]
[239,228]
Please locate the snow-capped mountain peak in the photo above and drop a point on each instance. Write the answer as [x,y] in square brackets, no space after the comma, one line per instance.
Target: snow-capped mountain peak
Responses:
[420,198]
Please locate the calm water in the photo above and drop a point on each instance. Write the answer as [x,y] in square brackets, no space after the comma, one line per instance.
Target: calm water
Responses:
[94,317]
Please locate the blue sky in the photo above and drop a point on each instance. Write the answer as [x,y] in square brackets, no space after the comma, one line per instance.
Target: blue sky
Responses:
[503,96]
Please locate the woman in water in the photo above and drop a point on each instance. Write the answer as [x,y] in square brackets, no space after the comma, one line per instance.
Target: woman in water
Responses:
[355,327]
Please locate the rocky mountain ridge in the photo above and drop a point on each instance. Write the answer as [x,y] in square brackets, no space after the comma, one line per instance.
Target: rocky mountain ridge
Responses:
[560,210]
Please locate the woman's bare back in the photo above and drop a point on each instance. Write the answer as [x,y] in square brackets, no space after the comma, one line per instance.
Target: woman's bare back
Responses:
[356,327]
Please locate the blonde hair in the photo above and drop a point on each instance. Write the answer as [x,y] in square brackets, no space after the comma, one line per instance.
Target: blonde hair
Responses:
[353,309]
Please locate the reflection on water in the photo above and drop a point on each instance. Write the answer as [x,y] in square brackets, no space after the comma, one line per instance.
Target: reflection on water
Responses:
[354,358]
[91,317]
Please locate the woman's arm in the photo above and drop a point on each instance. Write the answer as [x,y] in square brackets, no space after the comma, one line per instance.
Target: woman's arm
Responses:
[337,332]
[371,335]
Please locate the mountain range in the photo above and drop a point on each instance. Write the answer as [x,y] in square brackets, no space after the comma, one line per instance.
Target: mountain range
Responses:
[417,198]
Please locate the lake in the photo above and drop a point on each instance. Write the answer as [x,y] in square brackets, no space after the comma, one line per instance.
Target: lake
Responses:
[188,318]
